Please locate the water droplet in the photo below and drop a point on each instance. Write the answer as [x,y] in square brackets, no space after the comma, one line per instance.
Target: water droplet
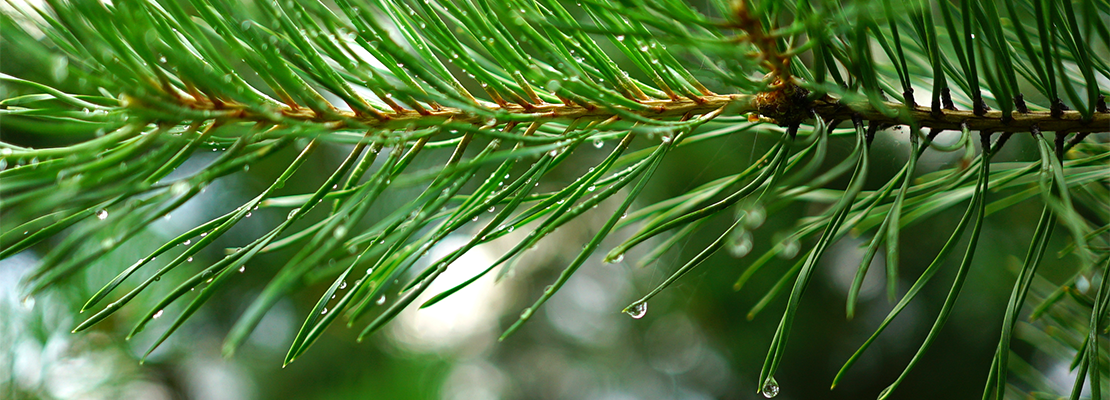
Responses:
[179,188]
[591,188]
[620,38]
[248,214]
[755,216]
[342,285]
[340,232]
[324,311]
[242,269]
[644,48]
[554,85]
[158,314]
[770,388]
[492,209]
[102,214]
[742,244]
[637,310]
[381,300]
[527,313]
[618,258]
[598,143]
[790,248]
[28,302]
[190,259]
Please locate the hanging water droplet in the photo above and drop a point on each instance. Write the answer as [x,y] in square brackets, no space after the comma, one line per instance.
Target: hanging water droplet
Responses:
[637,310]
[242,269]
[340,232]
[342,285]
[591,188]
[665,138]
[620,38]
[527,313]
[102,214]
[492,209]
[324,311]
[248,214]
[770,388]
[187,242]
[598,143]
[158,314]
[381,300]
[190,259]
[618,258]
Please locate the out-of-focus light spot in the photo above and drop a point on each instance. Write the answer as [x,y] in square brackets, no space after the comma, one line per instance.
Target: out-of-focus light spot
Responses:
[587,307]
[473,381]
[673,344]
[844,258]
[453,321]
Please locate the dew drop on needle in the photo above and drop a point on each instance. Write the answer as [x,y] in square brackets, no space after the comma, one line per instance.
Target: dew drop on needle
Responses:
[637,311]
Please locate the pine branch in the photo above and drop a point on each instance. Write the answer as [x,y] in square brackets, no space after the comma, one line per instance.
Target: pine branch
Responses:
[114,97]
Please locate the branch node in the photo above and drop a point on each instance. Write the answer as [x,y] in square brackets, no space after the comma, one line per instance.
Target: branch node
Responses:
[1058,108]
[946,99]
[788,104]
[1019,103]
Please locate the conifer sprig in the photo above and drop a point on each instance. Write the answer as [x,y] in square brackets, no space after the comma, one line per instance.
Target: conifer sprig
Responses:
[114,97]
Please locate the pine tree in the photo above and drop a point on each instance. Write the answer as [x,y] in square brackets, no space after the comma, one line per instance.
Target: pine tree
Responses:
[116,97]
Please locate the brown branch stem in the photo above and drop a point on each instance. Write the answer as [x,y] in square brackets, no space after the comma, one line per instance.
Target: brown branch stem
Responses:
[828,109]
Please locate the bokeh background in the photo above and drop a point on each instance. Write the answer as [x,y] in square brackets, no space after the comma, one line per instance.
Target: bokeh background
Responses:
[695,342]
